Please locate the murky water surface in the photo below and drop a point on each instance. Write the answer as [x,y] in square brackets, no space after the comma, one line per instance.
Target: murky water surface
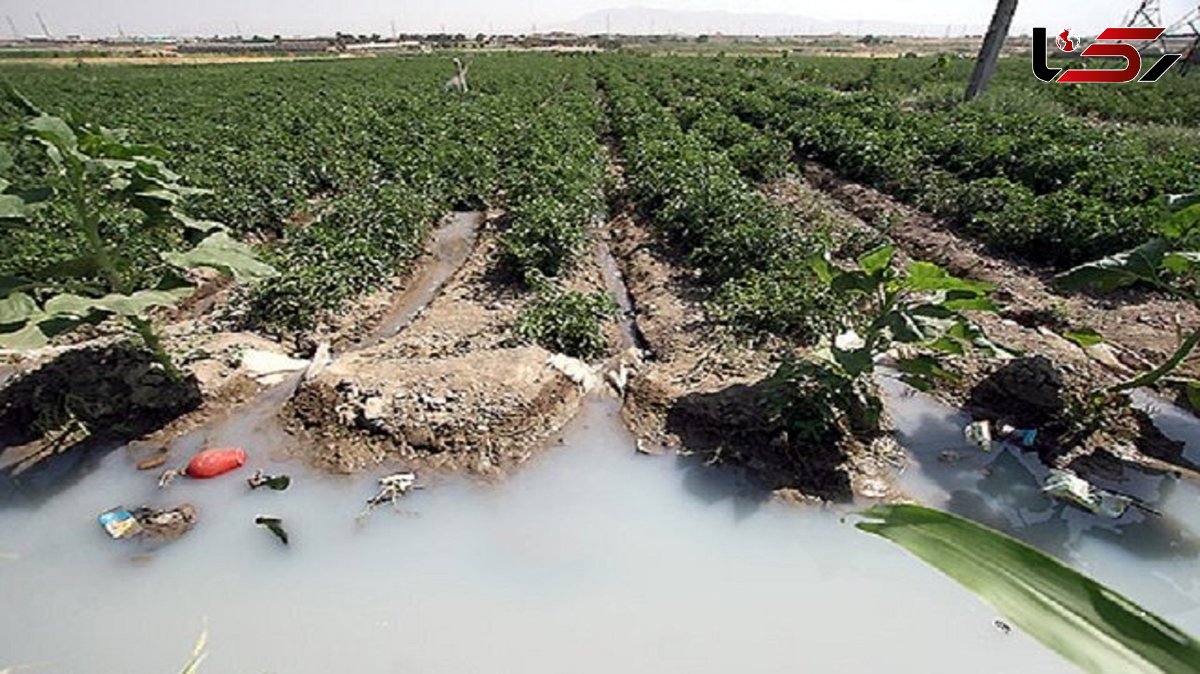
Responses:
[1152,559]
[592,559]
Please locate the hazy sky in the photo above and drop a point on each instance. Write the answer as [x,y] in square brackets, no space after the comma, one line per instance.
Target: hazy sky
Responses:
[289,17]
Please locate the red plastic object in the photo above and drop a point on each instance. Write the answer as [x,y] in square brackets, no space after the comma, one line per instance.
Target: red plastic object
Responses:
[214,462]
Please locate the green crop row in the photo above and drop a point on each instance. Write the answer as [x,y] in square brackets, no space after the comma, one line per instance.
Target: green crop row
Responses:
[745,249]
[1051,189]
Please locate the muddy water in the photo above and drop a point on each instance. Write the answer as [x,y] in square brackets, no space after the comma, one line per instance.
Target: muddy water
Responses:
[616,287]
[1152,559]
[593,559]
[451,245]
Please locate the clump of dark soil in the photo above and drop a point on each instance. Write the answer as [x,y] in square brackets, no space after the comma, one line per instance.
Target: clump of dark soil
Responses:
[732,426]
[1075,429]
[110,392]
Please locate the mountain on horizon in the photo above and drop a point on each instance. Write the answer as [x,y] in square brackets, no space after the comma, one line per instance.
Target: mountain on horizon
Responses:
[651,21]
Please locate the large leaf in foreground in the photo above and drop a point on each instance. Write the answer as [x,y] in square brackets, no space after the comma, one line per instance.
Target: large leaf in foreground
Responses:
[1084,621]
[221,252]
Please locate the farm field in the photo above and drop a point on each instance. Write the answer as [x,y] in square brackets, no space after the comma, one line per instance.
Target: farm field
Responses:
[755,263]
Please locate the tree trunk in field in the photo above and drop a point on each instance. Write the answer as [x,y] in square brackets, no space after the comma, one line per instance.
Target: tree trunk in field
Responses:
[993,42]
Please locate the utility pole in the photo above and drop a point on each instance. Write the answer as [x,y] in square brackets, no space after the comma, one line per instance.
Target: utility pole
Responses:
[993,43]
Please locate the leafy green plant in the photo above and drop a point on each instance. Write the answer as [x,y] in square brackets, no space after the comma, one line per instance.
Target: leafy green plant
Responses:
[108,191]
[1089,624]
[567,321]
[884,308]
[1170,263]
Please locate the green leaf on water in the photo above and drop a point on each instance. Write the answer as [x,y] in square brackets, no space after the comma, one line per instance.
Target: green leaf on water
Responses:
[1094,627]
[275,525]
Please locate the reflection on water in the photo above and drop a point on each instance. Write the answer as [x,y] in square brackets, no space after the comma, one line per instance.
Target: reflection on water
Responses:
[1151,558]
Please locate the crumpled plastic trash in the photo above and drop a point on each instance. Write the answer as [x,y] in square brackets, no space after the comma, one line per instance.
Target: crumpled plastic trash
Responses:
[269,368]
[119,523]
[574,369]
[273,482]
[1026,437]
[979,433]
[169,523]
[1065,485]
[391,488]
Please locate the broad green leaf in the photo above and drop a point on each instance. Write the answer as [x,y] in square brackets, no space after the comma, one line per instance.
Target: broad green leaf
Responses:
[1085,337]
[853,362]
[822,269]
[926,276]
[225,254]
[958,301]
[1117,271]
[1181,262]
[136,304]
[28,337]
[1094,627]
[12,207]
[55,131]
[921,371]
[1182,222]
[876,260]
[17,308]
[203,226]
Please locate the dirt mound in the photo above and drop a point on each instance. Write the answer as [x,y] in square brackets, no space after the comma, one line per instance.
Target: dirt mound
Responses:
[703,393]
[452,390]
[103,392]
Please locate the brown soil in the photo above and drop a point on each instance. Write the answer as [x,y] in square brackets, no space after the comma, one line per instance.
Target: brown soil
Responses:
[1045,391]
[702,393]
[452,391]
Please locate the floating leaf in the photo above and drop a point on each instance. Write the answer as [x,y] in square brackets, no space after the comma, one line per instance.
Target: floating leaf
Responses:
[1089,624]
[274,524]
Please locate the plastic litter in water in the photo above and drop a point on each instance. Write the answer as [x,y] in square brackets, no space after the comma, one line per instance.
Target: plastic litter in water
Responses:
[214,462]
[120,523]
[979,433]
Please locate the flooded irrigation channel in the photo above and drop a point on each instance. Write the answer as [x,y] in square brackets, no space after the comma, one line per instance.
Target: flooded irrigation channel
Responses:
[593,558]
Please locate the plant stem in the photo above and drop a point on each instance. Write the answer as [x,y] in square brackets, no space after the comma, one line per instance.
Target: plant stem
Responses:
[1163,370]
[146,330]
[90,224]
